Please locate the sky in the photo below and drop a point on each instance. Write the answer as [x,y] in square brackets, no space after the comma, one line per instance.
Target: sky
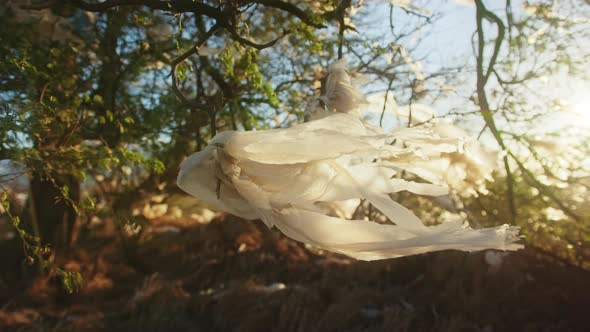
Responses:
[443,43]
[447,42]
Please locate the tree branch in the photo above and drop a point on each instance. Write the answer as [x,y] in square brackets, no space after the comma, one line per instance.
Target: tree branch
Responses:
[340,12]
[482,79]
[192,51]
[235,36]
[194,105]
[292,9]
[181,6]
[543,188]
[174,6]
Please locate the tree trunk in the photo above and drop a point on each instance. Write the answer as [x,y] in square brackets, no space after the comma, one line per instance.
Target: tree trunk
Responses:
[50,216]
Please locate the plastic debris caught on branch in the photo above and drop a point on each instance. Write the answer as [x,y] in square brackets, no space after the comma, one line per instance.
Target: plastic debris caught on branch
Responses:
[283,176]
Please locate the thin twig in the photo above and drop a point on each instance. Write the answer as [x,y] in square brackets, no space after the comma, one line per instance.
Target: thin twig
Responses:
[235,36]
[340,11]
[385,103]
[176,62]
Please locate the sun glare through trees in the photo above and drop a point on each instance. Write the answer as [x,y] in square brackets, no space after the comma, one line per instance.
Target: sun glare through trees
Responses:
[431,138]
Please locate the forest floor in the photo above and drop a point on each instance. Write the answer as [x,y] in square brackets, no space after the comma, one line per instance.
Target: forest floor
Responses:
[235,275]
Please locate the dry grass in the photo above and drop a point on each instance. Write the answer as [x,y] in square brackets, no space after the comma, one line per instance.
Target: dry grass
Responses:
[233,275]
